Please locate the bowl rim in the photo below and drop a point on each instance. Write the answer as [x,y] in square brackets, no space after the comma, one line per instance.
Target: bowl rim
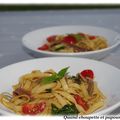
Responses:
[71,54]
[101,112]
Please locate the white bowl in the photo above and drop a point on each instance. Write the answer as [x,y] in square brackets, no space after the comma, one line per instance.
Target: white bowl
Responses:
[37,38]
[107,77]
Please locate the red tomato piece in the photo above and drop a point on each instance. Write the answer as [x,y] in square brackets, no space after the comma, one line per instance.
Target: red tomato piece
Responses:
[82,34]
[33,109]
[27,109]
[51,38]
[81,102]
[44,47]
[69,39]
[87,73]
[92,37]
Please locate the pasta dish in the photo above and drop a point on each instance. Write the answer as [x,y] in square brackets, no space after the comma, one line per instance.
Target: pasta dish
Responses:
[54,93]
[74,42]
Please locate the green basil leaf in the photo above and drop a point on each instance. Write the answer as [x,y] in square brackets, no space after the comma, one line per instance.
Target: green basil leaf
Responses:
[62,72]
[68,110]
[55,77]
[65,110]
[49,79]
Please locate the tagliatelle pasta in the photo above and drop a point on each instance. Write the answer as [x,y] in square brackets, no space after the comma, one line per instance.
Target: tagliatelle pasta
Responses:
[74,42]
[52,93]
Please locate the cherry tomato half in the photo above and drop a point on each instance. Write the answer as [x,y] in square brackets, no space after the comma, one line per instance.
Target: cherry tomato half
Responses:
[51,38]
[33,109]
[87,73]
[92,37]
[69,39]
[44,47]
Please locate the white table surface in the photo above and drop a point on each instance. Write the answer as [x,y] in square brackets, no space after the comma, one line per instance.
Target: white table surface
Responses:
[13,25]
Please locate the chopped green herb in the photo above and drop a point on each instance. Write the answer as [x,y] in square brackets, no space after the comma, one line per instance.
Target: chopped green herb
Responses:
[48,90]
[59,47]
[54,109]
[76,79]
[78,37]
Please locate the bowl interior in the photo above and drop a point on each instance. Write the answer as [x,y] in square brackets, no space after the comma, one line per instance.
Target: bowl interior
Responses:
[106,76]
